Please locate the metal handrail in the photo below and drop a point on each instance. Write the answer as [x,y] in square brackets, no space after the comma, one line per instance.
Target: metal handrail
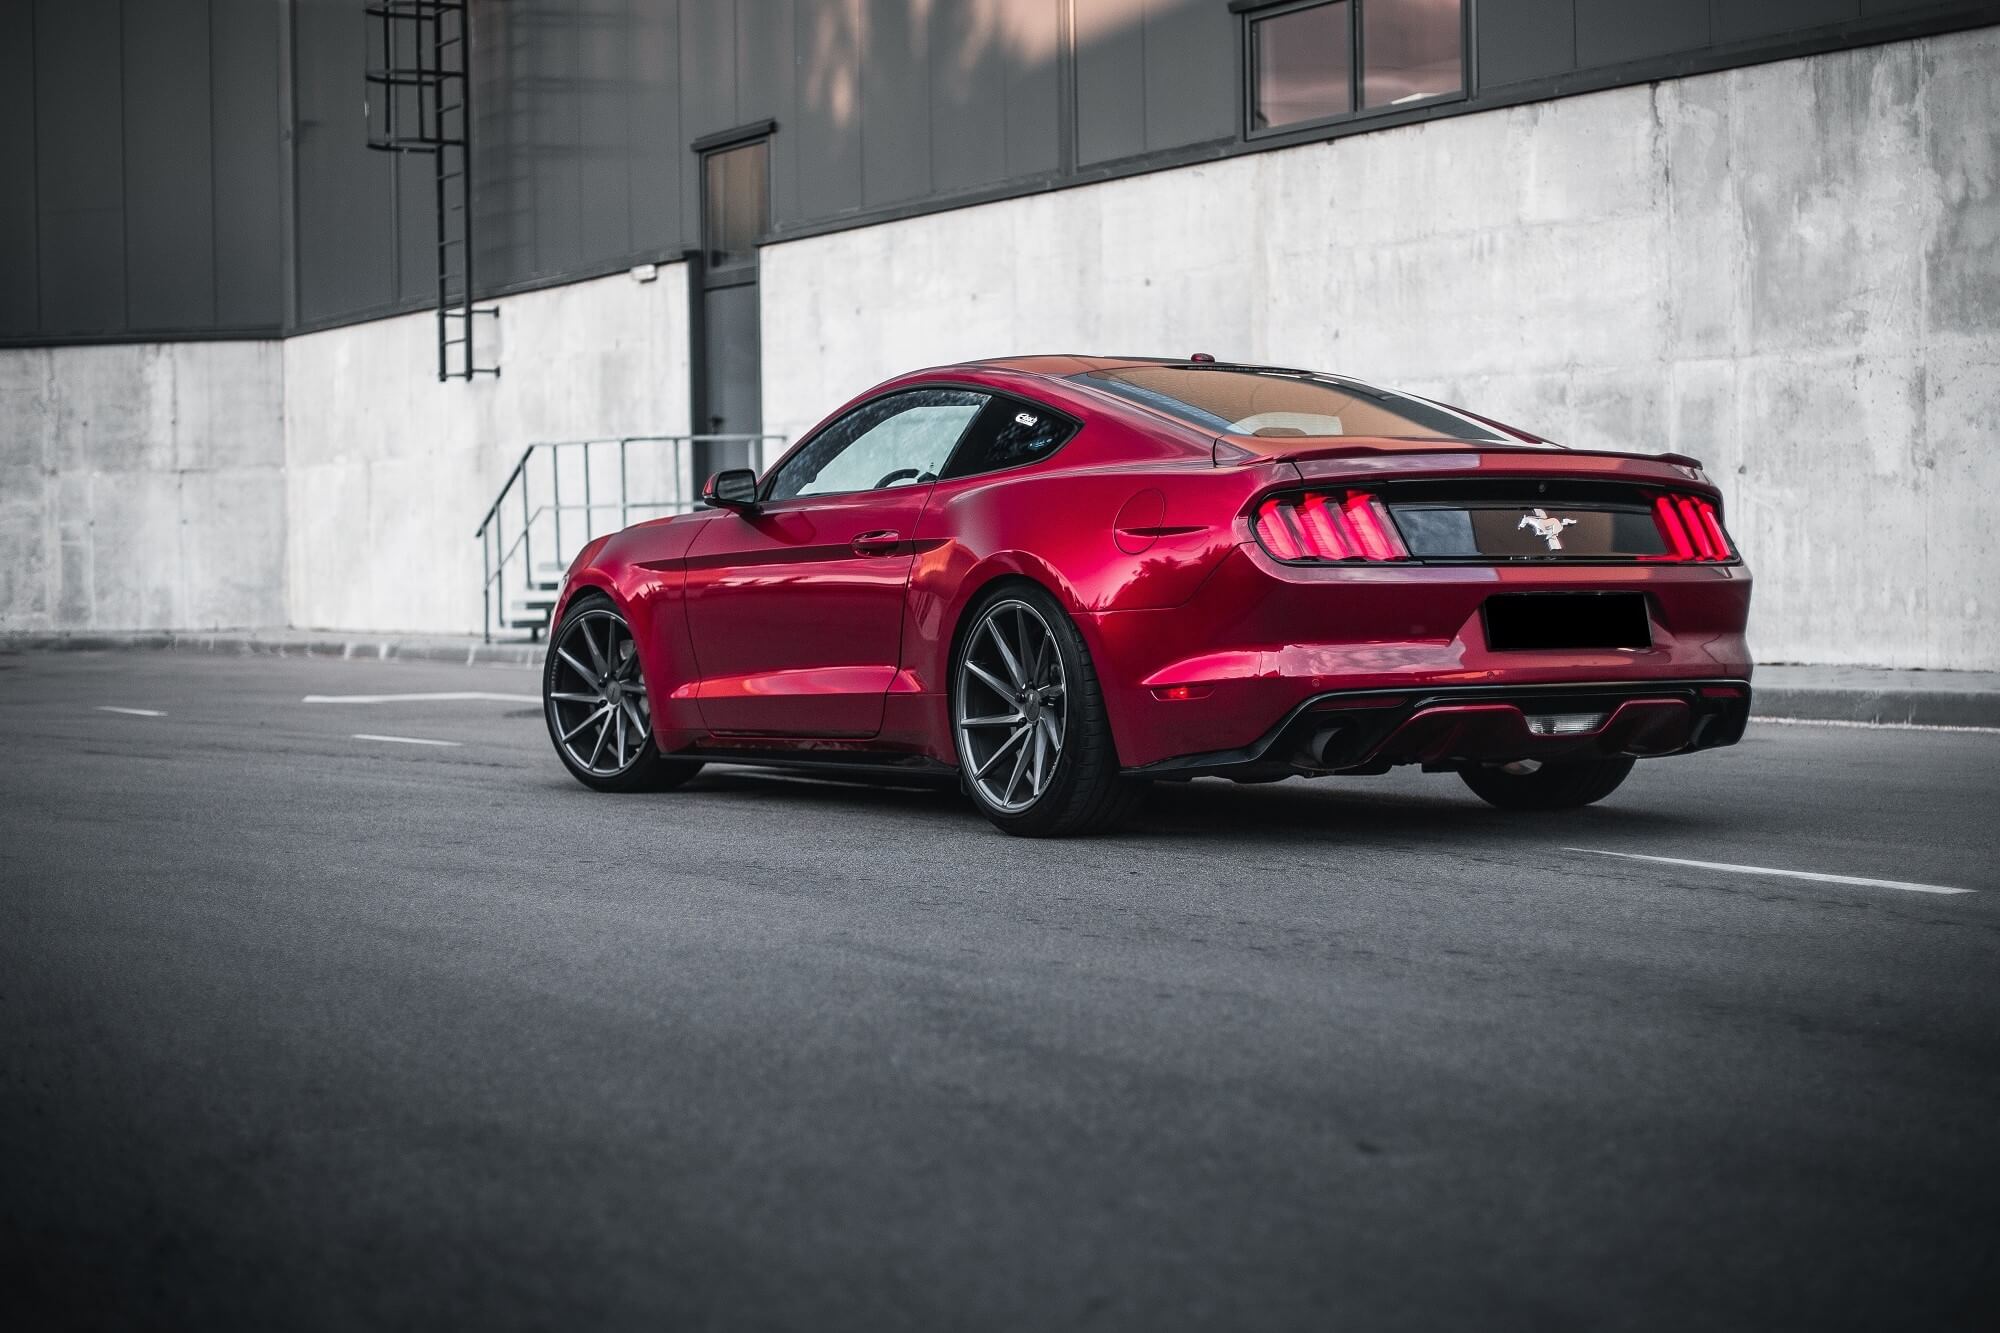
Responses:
[497,552]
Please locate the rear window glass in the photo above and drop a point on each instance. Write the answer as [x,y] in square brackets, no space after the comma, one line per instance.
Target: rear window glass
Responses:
[1231,401]
[1007,434]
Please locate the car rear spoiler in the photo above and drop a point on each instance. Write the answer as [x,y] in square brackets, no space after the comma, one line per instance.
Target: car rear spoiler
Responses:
[1237,450]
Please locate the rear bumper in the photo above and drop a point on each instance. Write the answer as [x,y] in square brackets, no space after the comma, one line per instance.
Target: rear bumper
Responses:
[1367,731]
[1260,643]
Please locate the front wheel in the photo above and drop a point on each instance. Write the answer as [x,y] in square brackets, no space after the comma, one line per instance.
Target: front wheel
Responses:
[1562,784]
[1034,743]
[594,697]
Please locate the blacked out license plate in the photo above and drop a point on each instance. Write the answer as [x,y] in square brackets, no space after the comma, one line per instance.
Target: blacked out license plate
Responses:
[1530,621]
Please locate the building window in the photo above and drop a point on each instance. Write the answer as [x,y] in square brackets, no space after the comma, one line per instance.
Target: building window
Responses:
[1303,61]
[1321,60]
[736,204]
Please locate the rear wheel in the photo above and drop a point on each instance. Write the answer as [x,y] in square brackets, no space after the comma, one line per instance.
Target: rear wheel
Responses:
[594,697]
[1533,784]
[1034,743]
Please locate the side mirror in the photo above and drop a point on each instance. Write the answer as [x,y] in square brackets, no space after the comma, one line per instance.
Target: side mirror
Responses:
[735,488]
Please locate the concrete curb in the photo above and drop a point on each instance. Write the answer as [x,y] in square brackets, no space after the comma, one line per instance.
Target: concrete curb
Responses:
[1793,693]
[463,651]
[1893,707]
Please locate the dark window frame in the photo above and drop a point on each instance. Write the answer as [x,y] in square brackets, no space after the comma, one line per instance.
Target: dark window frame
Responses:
[769,482]
[1250,12]
[1018,403]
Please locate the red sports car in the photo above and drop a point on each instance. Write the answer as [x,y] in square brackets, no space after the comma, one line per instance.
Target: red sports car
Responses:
[1056,578]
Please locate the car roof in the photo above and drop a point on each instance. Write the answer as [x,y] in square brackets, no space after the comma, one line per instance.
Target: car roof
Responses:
[1062,364]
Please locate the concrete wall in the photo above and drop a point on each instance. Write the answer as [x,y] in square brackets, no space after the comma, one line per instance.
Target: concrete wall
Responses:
[1791,271]
[388,471]
[142,486]
[329,481]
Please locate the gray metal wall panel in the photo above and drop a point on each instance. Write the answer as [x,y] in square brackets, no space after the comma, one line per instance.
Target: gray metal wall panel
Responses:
[603,125]
[1192,92]
[708,66]
[1519,40]
[169,171]
[79,168]
[969,61]
[20,256]
[767,88]
[1034,87]
[829,129]
[707,91]
[1110,80]
[139,192]
[656,144]
[1611,32]
[895,106]
[1735,22]
[554,93]
[414,186]
[244,64]
[503,235]
[345,226]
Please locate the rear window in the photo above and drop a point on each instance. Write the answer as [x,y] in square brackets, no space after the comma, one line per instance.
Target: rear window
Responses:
[1233,401]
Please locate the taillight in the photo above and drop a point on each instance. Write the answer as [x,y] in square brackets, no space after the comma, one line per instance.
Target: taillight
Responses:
[1310,529]
[1691,529]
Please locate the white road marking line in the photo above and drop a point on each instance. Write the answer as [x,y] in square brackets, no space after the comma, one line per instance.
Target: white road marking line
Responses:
[403,740]
[1868,726]
[440,695]
[131,712]
[1771,870]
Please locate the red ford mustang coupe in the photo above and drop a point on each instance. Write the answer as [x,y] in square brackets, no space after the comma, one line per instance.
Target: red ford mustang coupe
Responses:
[1055,578]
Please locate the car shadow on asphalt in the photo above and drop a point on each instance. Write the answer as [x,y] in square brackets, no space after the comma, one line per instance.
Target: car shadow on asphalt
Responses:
[1326,810]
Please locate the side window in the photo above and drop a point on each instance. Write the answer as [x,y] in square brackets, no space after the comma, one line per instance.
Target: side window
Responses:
[901,440]
[1007,434]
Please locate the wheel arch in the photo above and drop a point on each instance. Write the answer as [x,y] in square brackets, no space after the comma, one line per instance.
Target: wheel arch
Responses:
[979,591]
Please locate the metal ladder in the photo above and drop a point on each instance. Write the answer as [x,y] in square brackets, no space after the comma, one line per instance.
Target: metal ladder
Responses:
[420,102]
[538,523]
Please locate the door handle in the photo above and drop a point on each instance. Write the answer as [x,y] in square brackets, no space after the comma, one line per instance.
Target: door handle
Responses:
[877,543]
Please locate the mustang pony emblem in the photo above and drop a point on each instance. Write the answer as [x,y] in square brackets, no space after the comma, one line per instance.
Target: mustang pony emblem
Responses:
[1548,529]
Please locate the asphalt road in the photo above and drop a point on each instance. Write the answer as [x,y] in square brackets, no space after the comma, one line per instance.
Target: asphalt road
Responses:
[304,1031]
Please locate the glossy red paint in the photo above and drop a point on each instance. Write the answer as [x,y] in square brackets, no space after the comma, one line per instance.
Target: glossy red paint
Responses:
[824,625]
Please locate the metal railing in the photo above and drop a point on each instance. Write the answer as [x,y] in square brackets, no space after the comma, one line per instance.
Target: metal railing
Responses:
[531,514]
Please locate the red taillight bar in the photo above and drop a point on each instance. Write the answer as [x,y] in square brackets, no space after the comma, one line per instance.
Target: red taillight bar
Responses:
[1274,529]
[1322,528]
[1691,529]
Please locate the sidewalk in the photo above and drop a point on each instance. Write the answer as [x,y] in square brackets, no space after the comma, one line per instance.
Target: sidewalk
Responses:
[1796,693]
[1871,694]
[463,649]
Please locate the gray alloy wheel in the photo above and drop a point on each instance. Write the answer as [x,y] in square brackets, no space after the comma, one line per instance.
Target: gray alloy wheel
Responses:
[598,711]
[1010,708]
[594,700]
[1034,743]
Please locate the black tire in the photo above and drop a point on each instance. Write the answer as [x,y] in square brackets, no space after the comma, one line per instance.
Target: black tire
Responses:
[1557,785]
[1084,791]
[567,681]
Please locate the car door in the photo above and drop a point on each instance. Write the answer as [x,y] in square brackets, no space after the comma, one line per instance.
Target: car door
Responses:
[796,607]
